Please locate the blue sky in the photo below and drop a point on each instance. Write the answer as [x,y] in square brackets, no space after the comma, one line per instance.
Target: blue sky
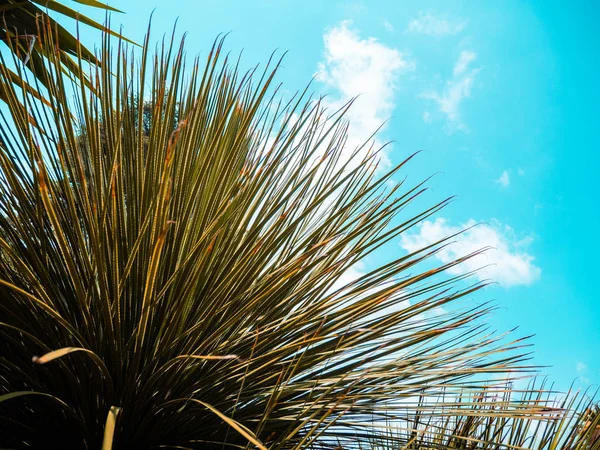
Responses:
[502,96]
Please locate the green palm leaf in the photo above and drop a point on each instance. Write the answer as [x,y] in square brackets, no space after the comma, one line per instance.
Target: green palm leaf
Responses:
[20,29]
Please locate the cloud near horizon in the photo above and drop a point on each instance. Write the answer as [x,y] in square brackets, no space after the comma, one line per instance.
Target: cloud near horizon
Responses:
[506,262]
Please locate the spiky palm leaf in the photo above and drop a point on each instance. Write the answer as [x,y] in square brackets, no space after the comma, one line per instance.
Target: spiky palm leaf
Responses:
[20,22]
[182,283]
[485,419]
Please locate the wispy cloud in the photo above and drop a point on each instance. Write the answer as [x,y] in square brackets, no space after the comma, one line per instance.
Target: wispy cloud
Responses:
[506,262]
[582,369]
[456,90]
[434,25]
[504,179]
[388,26]
[465,58]
[355,66]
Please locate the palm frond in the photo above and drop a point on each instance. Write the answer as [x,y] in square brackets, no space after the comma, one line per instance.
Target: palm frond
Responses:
[484,419]
[21,22]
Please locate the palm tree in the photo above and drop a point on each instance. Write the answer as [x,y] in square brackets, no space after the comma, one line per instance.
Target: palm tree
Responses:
[184,288]
[20,22]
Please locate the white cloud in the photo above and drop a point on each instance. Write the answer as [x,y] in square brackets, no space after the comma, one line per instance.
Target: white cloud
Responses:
[504,179]
[351,274]
[432,25]
[358,270]
[426,117]
[465,58]
[456,90]
[581,367]
[521,172]
[354,66]
[506,261]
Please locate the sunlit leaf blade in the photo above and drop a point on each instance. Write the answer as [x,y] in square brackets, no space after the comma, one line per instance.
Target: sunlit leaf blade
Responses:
[97,4]
[109,428]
